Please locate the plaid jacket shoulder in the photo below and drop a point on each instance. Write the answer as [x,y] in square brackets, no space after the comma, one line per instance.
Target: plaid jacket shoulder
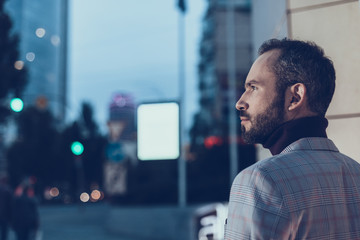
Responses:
[309,191]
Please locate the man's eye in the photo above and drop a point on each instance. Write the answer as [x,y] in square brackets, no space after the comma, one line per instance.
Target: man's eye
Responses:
[253,88]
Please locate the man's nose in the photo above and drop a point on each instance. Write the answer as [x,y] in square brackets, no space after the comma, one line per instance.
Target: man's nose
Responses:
[241,104]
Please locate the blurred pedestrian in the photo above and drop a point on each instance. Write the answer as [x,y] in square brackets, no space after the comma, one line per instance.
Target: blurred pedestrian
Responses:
[5,207]
[25,216]
[308,189]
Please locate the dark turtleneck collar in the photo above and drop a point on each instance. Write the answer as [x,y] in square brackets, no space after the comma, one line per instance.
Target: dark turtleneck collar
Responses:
[294,130]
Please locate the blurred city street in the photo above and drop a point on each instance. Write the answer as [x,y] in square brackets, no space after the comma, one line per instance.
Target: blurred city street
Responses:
[118,119]
[75,222]
[109,222]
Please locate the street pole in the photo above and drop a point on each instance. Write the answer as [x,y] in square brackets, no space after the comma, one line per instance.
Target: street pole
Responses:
[182,85]
[231,70]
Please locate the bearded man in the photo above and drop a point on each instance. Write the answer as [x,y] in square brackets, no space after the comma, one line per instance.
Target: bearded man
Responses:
[307,189]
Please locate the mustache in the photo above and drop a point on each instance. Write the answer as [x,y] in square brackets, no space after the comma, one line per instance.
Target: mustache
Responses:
[242,113]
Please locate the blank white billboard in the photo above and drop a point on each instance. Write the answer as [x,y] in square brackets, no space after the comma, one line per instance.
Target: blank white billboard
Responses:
[158,130]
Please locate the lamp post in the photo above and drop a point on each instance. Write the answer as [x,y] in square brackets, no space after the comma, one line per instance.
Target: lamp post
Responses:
[182,162]
[77,149]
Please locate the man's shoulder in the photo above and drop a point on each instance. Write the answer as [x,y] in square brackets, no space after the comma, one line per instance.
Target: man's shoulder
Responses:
[304,152]
[311,144]
[261,169]
[271,163]
[321,149]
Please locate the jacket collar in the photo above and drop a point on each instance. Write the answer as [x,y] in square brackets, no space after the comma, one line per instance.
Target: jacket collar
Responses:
[313,144]
[294,130]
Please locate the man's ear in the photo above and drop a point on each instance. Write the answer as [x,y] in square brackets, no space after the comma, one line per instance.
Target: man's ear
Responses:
[297,96]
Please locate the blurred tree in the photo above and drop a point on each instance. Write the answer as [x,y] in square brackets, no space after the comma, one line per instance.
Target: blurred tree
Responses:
[86,131]
[89,127]
[33,153]
[94,145]
[13,72]
[182,6]
[43,151]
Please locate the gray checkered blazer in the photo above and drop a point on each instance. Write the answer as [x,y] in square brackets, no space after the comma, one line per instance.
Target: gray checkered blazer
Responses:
[309,191]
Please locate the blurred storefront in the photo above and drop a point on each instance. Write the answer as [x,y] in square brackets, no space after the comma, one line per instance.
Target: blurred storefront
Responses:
[121,147]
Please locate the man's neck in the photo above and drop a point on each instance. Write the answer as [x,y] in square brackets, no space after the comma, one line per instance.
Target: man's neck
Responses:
[294,130]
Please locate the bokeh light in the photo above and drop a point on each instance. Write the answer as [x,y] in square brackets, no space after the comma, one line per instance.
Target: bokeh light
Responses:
[30,56]
[55,40]
[40,32]
[19,65]
[95,195]
[16,104]
[77,148]
[54,192]
[47,195]
[84,197]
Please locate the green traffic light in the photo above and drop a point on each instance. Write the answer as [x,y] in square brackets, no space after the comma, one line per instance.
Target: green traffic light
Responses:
[16,104]
[77,148]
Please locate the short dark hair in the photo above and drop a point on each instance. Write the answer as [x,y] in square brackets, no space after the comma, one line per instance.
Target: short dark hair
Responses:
[303,62]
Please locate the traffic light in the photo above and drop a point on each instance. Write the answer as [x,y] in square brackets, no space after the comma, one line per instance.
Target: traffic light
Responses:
[16,104]
[77,148]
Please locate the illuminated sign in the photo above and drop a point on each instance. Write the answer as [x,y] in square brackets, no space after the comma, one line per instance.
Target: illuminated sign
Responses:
[158,128]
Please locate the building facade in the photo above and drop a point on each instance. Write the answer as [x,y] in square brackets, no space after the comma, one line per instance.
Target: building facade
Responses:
[334,25]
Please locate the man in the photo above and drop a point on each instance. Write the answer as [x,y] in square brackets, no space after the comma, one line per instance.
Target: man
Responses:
[307,189]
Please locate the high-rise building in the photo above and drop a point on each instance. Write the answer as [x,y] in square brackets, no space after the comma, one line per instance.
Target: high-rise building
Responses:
[42,28]
[217,151]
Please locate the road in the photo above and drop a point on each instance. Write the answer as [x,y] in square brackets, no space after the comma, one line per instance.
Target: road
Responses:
[75,223]
[102,221]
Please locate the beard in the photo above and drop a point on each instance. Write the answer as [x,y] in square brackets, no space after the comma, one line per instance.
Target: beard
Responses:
[263,124]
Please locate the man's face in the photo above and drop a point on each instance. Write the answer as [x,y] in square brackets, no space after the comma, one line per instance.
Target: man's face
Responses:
[261,107]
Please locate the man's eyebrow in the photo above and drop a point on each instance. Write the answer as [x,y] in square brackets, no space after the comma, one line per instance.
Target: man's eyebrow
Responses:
[247,84]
